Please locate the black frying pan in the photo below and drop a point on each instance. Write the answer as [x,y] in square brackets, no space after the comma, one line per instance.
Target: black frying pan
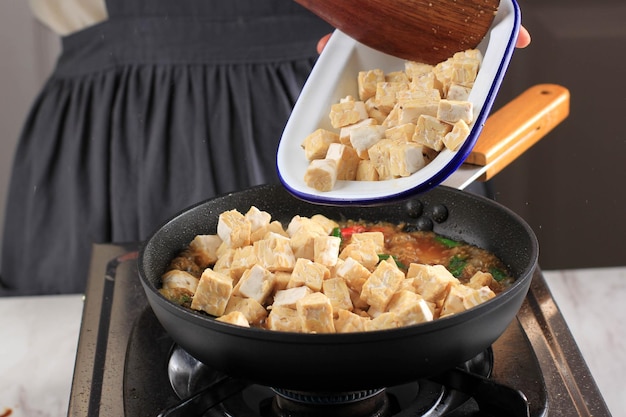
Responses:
[355,361]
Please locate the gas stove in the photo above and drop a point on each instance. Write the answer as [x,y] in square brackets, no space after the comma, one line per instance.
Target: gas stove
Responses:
[127,365]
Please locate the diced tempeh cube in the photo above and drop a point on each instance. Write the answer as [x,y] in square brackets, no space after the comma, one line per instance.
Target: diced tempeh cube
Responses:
[360,306]
[316,144]
[373,112]
[327,224]
[347,160]
[257,218]
[430,132]
[443,72]
[482,279]
[427,82]
[184,262]
[380,154]
[347,113]
[213,292]
[397,77]
[386,93]
[383,321]
[453,139]
[348,322]
[309,273]
[364,137]
[458,92]
[431,281]
[393,118]
[326,250]
[367,81]
[259,223]
[224,260]
[353,273]
[409,284]
[464,70]
[223,250]
[333,269]
[252,310]
[204,249]
[179,279]
[234,317]
[405,159]
[288,297]
[365,253]
[469,53]
[381,285]
[256,283]
[274,253]
[344,133]
[305,223]
[431,94]
[284,319]
[451,111]
[411,110]
[303,233]
[277,227]
[366,171]
[243,258]
[234,229]
[316,313]
[321,174]
[281,279]
[461,298]
[413,68]
[377,237]
[337,291]
[374,312]
[410,308]
[401,133]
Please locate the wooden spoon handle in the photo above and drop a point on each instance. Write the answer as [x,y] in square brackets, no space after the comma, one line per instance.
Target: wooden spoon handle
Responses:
[518,125]
[428,31]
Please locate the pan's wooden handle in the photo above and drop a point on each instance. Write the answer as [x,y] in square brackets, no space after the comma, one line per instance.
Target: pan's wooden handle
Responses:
[518,125]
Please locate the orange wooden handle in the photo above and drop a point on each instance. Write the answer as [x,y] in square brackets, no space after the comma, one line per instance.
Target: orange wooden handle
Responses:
[518,125]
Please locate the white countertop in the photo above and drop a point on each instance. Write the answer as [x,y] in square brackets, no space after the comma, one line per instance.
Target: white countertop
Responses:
[39,335]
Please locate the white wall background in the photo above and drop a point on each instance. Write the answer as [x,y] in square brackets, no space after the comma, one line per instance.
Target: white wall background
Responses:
[27,54]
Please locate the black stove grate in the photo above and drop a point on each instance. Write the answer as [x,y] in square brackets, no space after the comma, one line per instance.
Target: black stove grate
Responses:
[475,396]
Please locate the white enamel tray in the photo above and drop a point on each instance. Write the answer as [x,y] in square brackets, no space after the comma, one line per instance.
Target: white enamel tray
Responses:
[334,77]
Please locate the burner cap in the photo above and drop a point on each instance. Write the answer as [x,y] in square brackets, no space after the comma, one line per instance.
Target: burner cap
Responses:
[326,398]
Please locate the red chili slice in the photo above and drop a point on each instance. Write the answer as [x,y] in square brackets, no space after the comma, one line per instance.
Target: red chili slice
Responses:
[347,232]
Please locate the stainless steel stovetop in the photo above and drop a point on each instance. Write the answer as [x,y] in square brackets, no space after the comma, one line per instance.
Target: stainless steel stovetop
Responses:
[123,354]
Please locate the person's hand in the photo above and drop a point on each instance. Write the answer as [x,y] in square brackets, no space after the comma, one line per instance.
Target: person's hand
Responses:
[322,43]
[523,40]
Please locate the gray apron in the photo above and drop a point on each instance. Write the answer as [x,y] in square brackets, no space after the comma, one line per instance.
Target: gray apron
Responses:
[165,104]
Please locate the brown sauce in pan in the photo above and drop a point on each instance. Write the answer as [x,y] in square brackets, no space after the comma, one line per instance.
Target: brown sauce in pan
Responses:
[426,247]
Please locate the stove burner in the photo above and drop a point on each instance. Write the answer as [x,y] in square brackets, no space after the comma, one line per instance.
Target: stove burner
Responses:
[305,404]
[206,392]
[326,398]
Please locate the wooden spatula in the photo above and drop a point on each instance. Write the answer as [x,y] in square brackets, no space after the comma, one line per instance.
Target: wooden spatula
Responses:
[428,31]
